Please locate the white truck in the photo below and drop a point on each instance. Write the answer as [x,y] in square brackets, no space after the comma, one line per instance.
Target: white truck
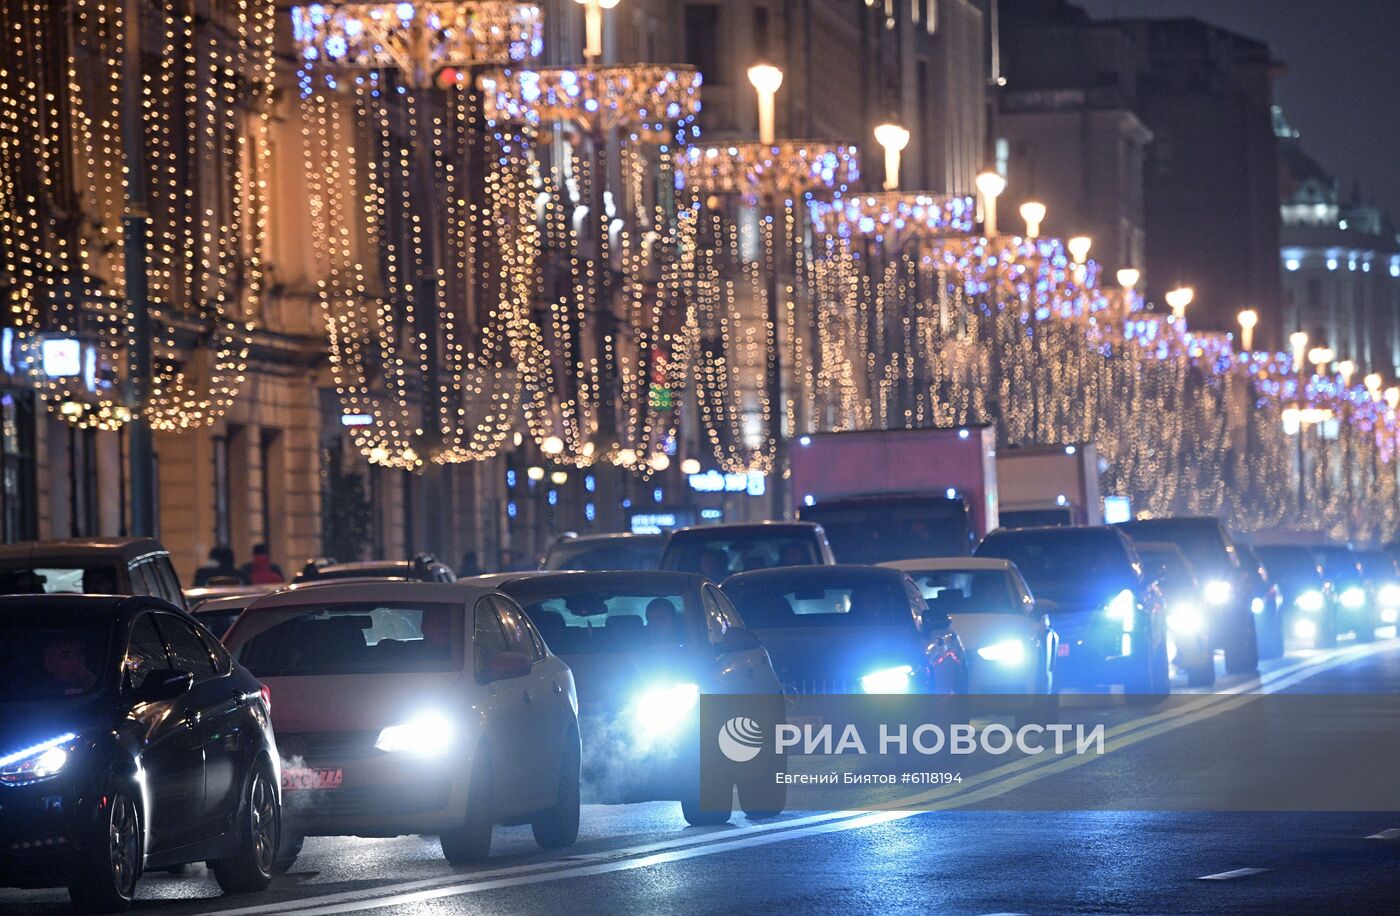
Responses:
[1049,485]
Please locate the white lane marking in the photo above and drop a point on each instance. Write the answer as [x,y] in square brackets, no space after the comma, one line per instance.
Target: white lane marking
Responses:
[1232,874]
[976,788]
[1391,834]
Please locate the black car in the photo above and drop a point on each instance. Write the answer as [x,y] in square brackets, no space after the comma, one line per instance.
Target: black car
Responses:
[129,740]
[1309,607]
[644,647]
[1382,579]
[850,629]
[1109,614]
[1341,567]
[1265,601]
[605,551]
[1227,587]
[90,566]
[719,551]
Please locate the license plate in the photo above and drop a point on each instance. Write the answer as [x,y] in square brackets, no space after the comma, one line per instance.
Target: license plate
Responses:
[312,777]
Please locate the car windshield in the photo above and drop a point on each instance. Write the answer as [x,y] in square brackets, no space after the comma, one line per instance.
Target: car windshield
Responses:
[593,621]
[880,532]
[218,620]
[788,601]
[1065,556]
[68,578]
[968,591]
[611,553]
[1290,564]
[382,571]
[50,655]
[349,639]
[1201,540]
[1339,563]
[1168,566]
[719,556]
[1377,566]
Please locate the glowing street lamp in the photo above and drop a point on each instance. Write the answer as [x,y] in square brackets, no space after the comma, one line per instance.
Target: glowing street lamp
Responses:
[1320,357]
[894,139]
[990,184]
[1392,397]
[1298,343]
[1078,247]
[1248,319]
[1033,212]
[1178,299]
[1346,369]
[690,466]
[766,79]
[1128,278]
[1373,384]
[593,27]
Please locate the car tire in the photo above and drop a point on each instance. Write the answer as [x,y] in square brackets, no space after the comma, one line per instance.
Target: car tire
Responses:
[259,831]
[471,842]
[104,880]
[557,826]
[1242,656]
[696,816]
[287,851]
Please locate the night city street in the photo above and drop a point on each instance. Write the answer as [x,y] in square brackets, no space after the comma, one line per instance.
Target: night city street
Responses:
[699,456]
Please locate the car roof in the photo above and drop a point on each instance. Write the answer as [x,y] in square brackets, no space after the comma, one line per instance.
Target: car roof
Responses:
[744,527]
[97,605]
[608,536]
[219,592]
[350,591]
[218,603]
[604,578]
[807,574]
[127,548]
[932,563]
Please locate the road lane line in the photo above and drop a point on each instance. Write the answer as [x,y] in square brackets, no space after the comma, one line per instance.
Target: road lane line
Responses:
[976,788]
[1232,874]
[1392,834]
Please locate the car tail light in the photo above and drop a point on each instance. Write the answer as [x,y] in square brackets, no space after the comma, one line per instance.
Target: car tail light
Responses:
[266,692]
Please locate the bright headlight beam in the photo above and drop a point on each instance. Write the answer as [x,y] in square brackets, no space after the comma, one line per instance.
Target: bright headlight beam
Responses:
[1389,595]
[888,680]
[1310,601]
[1218,592]
[1186,620]
[1121,608]
[1305,629]
[1353,598]
[1007,652]
[427,734]
[36,763]
[661,709]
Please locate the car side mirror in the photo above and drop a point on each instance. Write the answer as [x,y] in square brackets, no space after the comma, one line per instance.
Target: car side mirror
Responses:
[737,639]
[506,665]
[164,684]
[936,622]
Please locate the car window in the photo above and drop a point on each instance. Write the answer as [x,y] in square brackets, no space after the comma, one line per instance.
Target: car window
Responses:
[488,640]
[537,646]
[513,626]
[223,662]
[163,574]
[717,622]
[967,591]
[141,584]
[592,620]
[187,651]
[145,651]
[719,556]
[67,579]
[349,638]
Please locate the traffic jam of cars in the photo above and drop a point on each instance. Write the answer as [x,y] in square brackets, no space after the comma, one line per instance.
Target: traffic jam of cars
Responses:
[143,727]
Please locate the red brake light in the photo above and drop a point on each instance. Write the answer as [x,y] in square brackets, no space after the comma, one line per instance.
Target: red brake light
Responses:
[266,692]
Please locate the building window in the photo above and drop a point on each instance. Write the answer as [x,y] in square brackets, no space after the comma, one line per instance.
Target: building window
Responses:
[702,41]
[17,485]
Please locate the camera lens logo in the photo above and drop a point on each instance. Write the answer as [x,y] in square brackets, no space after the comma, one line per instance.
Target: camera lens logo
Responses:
[740,739]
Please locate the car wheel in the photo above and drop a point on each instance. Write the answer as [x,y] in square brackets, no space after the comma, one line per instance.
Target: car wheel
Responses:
[259,832]
[471,842]
[105,878]
[1242,657]
[287,852]
[557,826]
[696,816]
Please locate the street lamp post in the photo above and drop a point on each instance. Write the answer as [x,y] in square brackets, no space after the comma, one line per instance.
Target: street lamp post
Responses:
[990,184]
[766,79]
[136,226]
[593,27]
[1179,299]
[1298,344]
[1033,212]
[894,139]
[1248,319]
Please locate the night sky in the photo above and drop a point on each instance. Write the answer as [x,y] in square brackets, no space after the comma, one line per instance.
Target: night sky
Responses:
[1342,88]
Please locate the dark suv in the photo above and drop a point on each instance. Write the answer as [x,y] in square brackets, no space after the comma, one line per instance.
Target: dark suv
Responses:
[91,566]
[1227,587]
[719,551]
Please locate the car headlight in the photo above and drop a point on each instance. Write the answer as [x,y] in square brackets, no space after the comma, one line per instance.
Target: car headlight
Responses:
[1186,619]
[661,709]
[428,734]
[1353,598]
[1389,595]
[1218,592]
[1389,615]
[1121,608]
[42,761]
[1010,652]
[899,679]
[1310,601]
[1305,629]
[1256,605]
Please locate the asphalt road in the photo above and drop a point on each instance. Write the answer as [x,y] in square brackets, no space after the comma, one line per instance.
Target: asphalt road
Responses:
[643,858]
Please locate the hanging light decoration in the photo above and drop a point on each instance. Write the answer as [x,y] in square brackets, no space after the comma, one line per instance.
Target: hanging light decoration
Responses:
[204,122]
[427,300]
[610,350]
